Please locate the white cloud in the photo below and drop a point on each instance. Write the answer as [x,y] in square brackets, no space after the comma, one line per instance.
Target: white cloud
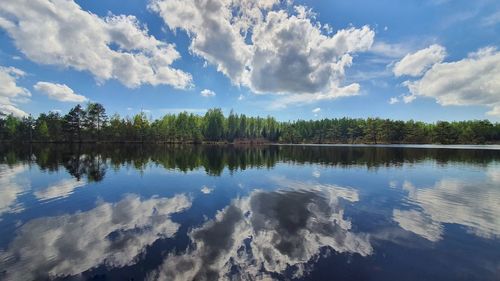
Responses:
[267,49]
[179,110]
[10,93]
[328,28]
[408,98]
[316,110]
[474,80]
[59,92]
[285,100]
[207,93]
[417,63]
[50,247]
[393,100]
[391,50]
[292,56]
[60,33]
[403,97]
[262,232]
[214,37]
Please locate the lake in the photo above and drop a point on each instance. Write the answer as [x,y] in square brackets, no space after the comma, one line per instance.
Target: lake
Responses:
[164,212]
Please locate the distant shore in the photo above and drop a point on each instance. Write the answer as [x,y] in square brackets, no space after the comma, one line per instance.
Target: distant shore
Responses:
[249,142]
[91,124]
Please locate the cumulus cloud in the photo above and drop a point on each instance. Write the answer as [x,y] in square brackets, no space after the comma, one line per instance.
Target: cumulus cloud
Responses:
[417,63]
[293,56]
[59,92]
[11,93]
[261,235]
[207,93]
[269,50]
[118,47]
[111,234]
[60,189]
[474,80]
[214,37]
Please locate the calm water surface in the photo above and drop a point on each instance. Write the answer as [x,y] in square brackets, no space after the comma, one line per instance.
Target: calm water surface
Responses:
[249,213]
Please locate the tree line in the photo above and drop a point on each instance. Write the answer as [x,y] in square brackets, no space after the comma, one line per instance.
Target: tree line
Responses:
[91,123]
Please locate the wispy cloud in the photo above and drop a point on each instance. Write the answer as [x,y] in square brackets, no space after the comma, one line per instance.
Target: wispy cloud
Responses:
[391,50]
[491,20]
[178,110]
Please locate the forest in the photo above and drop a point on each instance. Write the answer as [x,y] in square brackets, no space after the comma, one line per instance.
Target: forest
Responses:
[92,124]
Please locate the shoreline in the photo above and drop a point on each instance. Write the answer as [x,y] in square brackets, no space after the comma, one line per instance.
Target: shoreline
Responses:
[494,146]
[423,146]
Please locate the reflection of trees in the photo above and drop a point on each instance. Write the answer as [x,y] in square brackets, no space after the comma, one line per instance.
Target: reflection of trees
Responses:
[92,161]
[373,157]
[261,236]
[92,166]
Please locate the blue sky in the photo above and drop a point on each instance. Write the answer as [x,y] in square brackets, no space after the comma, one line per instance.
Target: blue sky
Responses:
[417,59]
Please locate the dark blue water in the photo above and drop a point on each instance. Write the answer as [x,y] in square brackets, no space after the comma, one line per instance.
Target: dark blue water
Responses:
[249,213]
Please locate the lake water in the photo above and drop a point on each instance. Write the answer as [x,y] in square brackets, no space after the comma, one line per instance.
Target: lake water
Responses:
[249,213]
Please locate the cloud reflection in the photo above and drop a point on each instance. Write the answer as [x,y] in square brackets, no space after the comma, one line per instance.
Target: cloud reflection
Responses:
[268,232]
[61,189]
[419,223]
[472,204]
[11,187]
[206,190]
[114,234]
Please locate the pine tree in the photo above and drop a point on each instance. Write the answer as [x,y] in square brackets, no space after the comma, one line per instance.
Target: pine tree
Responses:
[73,123]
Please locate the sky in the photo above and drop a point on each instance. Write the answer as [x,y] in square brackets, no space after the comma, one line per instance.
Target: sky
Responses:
[425,60]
